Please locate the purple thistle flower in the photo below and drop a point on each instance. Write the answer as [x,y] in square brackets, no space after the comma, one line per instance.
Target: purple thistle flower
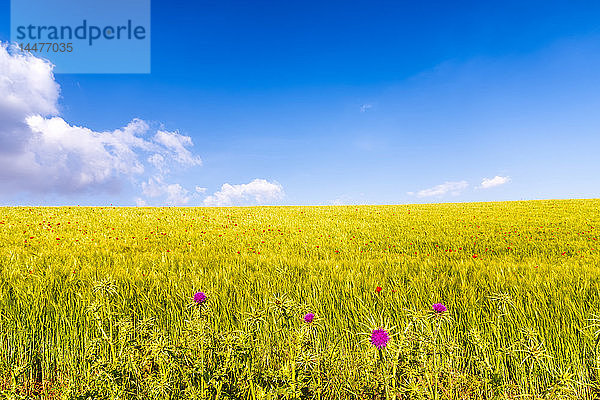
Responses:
[379,338]
[200,297]
[309,317]
[439,308]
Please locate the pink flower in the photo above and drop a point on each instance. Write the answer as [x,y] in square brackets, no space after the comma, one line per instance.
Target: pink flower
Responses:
[379,338]
[200,297]
[439,308]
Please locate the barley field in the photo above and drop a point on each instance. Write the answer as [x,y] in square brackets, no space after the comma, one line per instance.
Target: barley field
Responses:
[441,301]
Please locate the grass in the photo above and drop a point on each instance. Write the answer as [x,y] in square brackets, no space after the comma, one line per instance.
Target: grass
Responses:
[98,302]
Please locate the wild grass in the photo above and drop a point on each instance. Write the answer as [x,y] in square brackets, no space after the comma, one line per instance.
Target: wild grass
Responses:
[98,302]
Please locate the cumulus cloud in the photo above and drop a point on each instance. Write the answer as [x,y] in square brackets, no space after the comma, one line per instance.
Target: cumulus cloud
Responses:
[41,152]
[158,161]
[454,188]
[178,144]
[259,191]
[487,183]
[347,200]
[174,194]
[365,107]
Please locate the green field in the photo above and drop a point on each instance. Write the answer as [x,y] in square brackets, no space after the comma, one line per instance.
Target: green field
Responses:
[98,302]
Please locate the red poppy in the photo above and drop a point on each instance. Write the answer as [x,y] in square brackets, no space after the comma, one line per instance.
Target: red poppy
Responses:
[378,289]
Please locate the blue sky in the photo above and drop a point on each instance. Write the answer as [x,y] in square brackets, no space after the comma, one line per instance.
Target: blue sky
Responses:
[351,103]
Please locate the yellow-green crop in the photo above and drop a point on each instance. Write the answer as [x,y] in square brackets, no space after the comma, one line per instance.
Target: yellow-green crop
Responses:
[98,302]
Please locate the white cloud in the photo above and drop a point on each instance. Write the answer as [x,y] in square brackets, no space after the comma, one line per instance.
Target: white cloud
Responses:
[487,183]
[158,161]
[200,189]
[347,200]
[140,202]
[174,194]
[178,144]
[365,107]
[27,85]
[259,191]
[454,188]
[41,152]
